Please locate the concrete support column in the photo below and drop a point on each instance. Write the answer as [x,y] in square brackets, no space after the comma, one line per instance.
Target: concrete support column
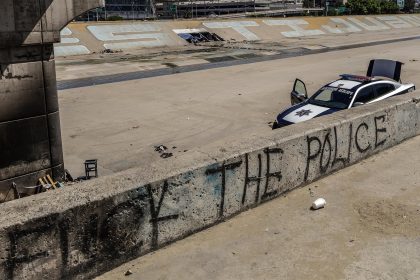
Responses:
[30,135]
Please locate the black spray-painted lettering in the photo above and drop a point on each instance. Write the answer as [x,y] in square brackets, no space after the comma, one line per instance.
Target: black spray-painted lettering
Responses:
[324,168]
[343,160]
[359,148]
[155,211]
[90,236]
[14,258]
[311,156]
[249,179]
[270,193]
[121,226]
[222,169]
[379,130]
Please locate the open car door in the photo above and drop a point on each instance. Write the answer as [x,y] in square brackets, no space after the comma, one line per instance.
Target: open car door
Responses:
[385,68]
[298,93]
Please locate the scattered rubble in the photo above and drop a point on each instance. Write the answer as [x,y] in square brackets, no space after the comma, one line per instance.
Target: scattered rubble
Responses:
[197,37]
[111,51]
[162,150]
[311,193]
[166,155]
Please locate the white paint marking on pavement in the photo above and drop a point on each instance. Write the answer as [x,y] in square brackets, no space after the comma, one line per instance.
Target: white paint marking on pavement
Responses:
[191,30]
[295,25]
[157,41]
[69,40]
[70,50]
[138,32]
[63,49]
[414,20]
[238,26]
[373,25]
[350,28]
[395,21]
[66,32]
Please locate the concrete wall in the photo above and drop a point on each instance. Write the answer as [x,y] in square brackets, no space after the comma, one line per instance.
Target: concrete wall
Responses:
[83,230]
[86,38]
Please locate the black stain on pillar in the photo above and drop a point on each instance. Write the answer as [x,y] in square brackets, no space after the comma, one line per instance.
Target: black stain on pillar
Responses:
[269,174]
[379,130]
[311,155]
[222,169]
[343,160]
[155,211]
[324,168]
[251,179]
[358,146]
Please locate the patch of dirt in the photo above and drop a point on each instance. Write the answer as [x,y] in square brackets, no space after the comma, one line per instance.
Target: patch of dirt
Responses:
[389,217]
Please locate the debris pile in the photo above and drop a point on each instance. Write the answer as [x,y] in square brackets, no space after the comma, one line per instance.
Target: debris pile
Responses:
[163,151]
[110,51]
[196,37]
[47,183]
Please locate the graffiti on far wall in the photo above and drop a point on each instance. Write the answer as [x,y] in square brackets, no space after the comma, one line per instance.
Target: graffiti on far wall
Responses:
[147,35]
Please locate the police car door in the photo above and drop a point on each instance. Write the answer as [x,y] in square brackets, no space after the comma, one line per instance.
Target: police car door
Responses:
[299,93]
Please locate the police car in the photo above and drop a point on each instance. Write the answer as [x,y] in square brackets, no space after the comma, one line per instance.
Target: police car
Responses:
[381,81]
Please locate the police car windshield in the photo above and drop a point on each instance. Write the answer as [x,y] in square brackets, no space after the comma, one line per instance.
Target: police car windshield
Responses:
[332,97]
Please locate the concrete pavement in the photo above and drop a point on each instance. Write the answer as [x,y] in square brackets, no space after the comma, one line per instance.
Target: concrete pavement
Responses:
[368,230]
[120,123]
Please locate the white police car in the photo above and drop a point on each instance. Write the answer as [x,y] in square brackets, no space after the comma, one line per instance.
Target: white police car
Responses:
[347,92]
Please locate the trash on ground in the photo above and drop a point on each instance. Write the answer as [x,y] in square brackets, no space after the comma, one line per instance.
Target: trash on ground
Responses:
[200,36]
[166,155]
[163,151]
[311,193]
[318,204]
[111,51]
[160,148]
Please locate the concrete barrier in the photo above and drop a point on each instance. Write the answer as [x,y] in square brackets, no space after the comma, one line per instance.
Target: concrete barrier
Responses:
[83,230]
[86,38]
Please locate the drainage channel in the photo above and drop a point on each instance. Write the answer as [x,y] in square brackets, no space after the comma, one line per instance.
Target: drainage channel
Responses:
[222,62]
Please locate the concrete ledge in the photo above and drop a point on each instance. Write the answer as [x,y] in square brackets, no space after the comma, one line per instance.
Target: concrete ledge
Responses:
[81,231]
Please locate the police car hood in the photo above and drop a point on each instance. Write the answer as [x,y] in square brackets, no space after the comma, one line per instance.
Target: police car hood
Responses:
[303,112]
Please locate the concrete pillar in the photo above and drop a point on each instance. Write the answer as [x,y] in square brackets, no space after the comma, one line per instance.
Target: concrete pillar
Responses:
[30,136]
